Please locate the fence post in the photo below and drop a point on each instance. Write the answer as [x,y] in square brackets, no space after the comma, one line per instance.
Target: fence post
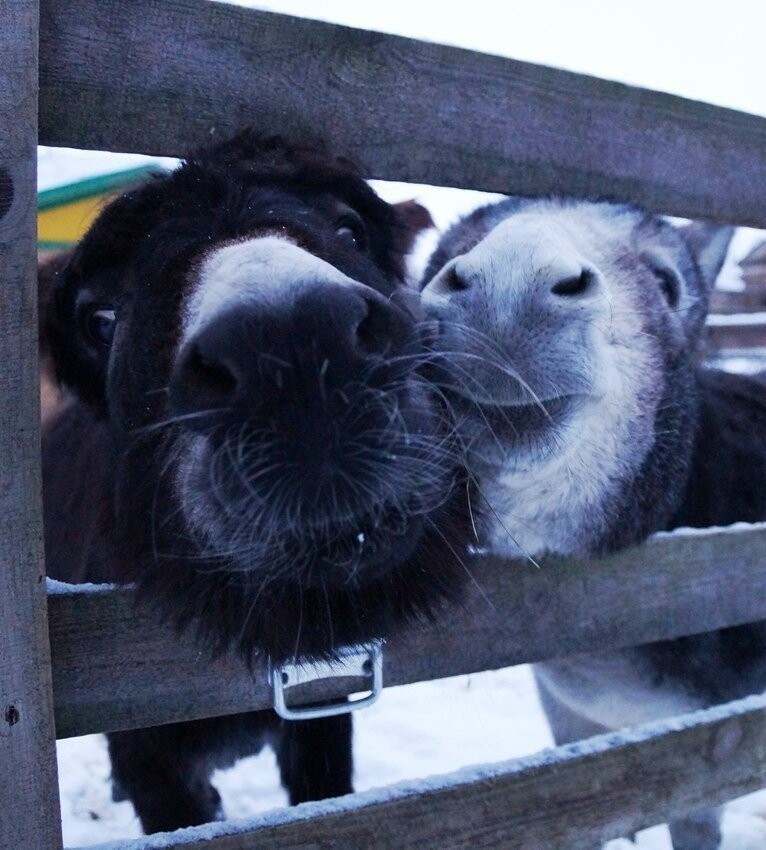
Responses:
[29,808]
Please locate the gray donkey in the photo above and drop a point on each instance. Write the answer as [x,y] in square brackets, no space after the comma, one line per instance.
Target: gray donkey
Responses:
[571,335]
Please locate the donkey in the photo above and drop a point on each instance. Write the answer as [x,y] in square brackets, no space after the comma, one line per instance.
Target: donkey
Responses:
[570,337]
[248,440]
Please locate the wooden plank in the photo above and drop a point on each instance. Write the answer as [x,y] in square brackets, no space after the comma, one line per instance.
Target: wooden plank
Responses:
[29,813]
[159,76]
[745,330]
[116,669]
[752,298]
[755,275]
[757,256]
[574,797]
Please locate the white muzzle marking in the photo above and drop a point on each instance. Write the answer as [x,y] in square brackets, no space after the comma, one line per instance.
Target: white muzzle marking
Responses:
[263,270]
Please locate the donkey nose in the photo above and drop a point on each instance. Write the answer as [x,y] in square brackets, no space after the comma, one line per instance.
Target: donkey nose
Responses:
[246,353]
[354,318]
[209,374]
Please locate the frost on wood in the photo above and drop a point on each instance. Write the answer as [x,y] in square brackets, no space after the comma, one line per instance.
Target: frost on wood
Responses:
[710,531]
[721,320]
[55,587]
[544,765]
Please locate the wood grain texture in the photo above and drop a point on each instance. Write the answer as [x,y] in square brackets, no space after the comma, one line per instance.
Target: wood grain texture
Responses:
[755,275]
[735,335]
[29,815]
[753,268]
[161,76]
[751,299]
[115,668]
[571,798]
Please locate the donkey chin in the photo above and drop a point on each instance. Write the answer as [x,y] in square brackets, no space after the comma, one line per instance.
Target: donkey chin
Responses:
[318,506]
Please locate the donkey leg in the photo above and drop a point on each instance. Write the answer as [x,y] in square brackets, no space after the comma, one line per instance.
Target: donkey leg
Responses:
[566,725]
[700,830]
[315,758]
[168,786]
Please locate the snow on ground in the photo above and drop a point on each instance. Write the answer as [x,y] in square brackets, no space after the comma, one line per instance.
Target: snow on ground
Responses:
[413,731]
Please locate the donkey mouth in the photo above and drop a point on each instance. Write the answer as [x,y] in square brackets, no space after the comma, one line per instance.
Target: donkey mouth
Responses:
[523,427]
[354,552]
[546,411]
[524,412]
[523,421]
[366,549]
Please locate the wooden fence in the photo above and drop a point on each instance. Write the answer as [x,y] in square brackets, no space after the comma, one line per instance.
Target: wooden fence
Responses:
[159,76]
[737,321]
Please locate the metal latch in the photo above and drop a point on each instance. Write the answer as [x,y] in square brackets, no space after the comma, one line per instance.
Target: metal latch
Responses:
[359,661]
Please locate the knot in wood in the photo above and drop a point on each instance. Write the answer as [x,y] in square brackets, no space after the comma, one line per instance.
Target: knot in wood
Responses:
[12,715]
[726,743]
[6,192]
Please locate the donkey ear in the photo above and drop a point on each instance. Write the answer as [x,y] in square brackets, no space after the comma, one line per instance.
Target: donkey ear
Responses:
[414,218]
[709,244]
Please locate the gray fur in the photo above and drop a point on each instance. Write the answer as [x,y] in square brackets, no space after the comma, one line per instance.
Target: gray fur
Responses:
[547,387]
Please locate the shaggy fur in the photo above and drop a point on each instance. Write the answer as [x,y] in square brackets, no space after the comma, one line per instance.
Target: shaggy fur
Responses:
[588,424]
[298,430]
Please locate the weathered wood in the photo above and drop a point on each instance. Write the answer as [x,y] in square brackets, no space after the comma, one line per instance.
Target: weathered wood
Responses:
[757,256]
[29,814]
[740,331]
[752,298]
[755,275]
[571,798]
[160,75]
[116,669]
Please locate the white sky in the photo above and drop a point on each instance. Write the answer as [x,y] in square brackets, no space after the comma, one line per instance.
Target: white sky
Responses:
[703,50]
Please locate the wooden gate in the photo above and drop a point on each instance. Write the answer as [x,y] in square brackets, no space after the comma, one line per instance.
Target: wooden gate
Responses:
[161,76]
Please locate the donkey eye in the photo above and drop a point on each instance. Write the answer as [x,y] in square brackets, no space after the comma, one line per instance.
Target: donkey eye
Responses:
[351,233]
[99,326]
[669,284]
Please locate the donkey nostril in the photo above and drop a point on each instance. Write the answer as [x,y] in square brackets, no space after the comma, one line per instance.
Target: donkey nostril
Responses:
[451,281]
[576,285]
[448,281]
[201,386]
[213,380]
[374,332]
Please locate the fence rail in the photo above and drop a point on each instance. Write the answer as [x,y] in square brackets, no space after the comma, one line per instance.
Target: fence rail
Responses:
[114,670]
[28,794]
[157,76]
[749,300]
[573,797]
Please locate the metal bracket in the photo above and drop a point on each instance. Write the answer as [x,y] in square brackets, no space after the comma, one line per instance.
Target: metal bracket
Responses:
[359,661]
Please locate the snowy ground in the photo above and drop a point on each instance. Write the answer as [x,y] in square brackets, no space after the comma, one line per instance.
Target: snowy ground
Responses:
[413,731]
